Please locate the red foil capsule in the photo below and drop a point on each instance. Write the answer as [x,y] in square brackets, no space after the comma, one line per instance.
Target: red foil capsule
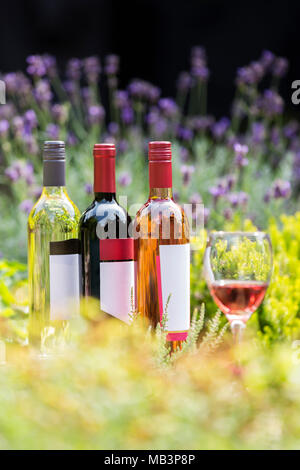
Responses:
[104,168]
[160,164]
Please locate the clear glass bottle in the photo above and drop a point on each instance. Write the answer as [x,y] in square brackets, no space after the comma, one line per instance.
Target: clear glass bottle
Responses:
[53,256]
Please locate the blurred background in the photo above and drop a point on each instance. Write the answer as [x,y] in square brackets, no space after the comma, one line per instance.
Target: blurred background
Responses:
[154,37]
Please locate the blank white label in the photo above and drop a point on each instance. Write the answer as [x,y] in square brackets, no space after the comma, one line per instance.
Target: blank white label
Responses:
[116,285]
[175,281]
[64,286]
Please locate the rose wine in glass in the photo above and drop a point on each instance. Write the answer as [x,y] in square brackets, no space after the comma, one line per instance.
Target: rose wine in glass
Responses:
[238,268]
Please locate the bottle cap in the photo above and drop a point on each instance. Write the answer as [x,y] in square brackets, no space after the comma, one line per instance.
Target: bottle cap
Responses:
[54,150]
[160,151]
[104,150]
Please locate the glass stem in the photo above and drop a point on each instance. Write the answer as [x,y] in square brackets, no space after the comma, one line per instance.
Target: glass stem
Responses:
[237,328]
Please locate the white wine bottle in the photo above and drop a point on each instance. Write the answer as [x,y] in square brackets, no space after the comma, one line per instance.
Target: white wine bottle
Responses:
[53,256]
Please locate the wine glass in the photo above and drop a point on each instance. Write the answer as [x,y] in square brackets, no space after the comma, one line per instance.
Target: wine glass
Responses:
[238,268]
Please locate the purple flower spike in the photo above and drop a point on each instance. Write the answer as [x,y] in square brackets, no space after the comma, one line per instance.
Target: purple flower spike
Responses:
[88,188]
[125,179]
[59,113]
[271,103]
[267,59]
[92,69]
[238,199]
[112,64]
[228,213]
[74,69]
[123,146]
[185,133]
[26,206]
[113,128]
[168,107]
[258,133]
[240,152]
[184,81]
[280,67]
[219,128]
[281,189]
[18,125]
[30,120]
[50,65]
[72,139]
[36,66]
[4,126]
[96,114]
[187,171]
[52,131]
[121,99]
[127,115]
[291,129]
[42,92]
[184,154]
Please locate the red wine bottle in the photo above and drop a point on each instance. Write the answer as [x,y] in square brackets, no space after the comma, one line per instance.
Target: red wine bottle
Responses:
[107,249]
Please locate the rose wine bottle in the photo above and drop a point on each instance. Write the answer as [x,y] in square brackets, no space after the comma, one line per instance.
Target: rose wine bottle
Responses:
[107,249]
[53,255]
[162,252]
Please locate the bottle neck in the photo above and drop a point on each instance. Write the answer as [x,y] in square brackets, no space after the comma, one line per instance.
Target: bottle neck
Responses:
[160,174]
[54,172]
[160,193]
[100,196]
[54,191]
[104,175]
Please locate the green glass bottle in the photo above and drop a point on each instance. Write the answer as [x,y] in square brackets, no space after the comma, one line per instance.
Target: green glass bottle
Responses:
[53,256]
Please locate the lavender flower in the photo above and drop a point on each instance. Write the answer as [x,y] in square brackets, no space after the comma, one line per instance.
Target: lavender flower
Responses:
[36,192]
[42,92]
[112,64]
[160,127]
[196,199]
[184,81]
[267,59]
[88,188]
[121,99]
[13,173]
[50,65]
[70,88]
[168,107]
[127,115]
[74,69]
[4,127]
[7,111]
[240,152]
[52,131]
[199,69]
[92,69]
[184,154]
[36,66]
[185,133]
[201,123]
[275,135]
[217,192]
[230,181]
[228,213]
[31,144]
[71,139]
[125,179]
[291,129]
[187,171]
[238,199]
[281,189]
[26,206]
[219,128]
[258,133]
[27,173]
[122,146]
[17,83]
[18,125]
[280,67]
[59,113]
[96,114]
[113,128]
[30,120]
[271,103]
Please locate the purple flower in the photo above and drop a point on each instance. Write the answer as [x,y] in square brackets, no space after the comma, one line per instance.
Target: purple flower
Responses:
[160,127]
[26,206]
[220,127]
[187,171]
[280,67]
[201,123]
[185,133]
[17,83]
[184,154]
[143,90]
[88,188]
[228,213]
[96,114]
[112,64]
[127,115]
[27,173]
[267,59]
[258,132]
[168,107]
[206,215]
[74,69]
[13,173]
[291,129]
[36,192]
[70,88]
[92,69]
[113,128]
[196,199]
[230,181]
[42,92]
[18,125]
[217,192]
[52,131]
[238,199]
[245,76]
[184,81]
[36,66]
[4,127]
[121,99]
[275,135]
[198,52]
[72,139]
[267,196]
[31,144]
[125,179]
[50,65]
[59,113]
[30,120]
[122,146]
[271,103]
[7,111]
[281,189]
[240,152]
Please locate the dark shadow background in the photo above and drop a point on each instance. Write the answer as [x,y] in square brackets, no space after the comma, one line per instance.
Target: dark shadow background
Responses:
[154,37]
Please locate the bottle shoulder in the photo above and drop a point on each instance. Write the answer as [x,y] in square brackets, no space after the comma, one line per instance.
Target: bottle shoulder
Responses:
[165,207]
[103,211]
[53,209]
